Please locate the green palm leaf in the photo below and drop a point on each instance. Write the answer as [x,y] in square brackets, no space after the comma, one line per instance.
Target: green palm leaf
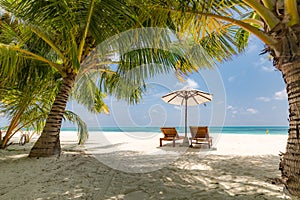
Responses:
[82,128]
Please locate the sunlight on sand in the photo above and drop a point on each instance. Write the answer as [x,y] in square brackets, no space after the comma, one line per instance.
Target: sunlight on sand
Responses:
[121,167]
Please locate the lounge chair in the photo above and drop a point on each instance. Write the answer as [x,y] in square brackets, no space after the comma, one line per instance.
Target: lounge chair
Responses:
[170,134]
[200,135]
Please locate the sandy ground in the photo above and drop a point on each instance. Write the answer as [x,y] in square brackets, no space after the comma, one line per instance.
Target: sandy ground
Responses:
[132,166]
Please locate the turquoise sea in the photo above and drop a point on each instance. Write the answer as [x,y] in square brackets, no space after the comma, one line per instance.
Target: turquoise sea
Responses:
[272,130]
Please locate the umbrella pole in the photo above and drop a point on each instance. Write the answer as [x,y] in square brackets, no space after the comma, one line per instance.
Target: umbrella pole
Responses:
[185,119]
[185,140]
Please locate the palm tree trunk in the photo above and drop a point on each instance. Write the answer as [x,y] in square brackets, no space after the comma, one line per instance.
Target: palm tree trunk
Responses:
[10,131]
[48,143]
[290,161]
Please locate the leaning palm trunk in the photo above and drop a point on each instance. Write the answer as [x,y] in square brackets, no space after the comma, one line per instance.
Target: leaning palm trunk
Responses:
[49,142]
[10,132]
[290,162]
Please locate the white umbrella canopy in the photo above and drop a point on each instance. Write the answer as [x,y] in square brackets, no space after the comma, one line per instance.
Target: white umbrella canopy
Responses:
[191,97]
[187,97]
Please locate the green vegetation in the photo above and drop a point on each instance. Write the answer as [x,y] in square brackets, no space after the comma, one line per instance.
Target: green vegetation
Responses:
[65,33]
[275,23]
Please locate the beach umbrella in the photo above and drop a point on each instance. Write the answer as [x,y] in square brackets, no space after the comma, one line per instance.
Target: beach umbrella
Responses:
[187,97]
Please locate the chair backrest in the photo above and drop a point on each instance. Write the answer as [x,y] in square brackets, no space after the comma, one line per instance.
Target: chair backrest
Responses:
[199,131]
[169,132]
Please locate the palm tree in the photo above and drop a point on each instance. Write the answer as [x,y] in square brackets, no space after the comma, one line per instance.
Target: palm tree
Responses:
[277,24]
[65,33]
[27,96]
[26,101]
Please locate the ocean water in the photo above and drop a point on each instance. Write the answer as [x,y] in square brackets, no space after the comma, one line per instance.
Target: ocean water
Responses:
[256,130]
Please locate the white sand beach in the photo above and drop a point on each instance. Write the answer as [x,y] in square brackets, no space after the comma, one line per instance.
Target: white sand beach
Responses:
[133,166]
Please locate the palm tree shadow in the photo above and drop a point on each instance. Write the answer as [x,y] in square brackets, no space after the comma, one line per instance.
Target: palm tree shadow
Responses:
[196,177]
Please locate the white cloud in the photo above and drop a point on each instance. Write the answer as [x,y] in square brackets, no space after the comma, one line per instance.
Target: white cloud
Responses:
[252,110]
[229,107]
[281,95]
[179,85]
[252,48]
[263,99]
[233,110]
[240,111]
[231,78]
[265,64]
[154,111]
[268,68]
[263,59]
[178,107]
[191,83]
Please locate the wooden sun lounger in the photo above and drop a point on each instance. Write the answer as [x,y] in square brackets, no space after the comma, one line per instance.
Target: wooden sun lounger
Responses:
[170,134]
[200,135]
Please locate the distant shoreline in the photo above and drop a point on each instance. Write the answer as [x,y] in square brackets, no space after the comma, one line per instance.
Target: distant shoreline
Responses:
[256,130]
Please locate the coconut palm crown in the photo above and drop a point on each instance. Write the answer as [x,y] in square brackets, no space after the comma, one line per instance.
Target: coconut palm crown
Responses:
[65,35]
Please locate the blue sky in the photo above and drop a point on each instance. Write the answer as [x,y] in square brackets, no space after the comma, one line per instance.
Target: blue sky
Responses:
[255,90]
[247,90]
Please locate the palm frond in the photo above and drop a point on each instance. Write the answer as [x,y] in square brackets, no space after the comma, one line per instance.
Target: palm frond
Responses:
[87,93]
[121,88]
[29,96]
[196,20]
[82,128]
